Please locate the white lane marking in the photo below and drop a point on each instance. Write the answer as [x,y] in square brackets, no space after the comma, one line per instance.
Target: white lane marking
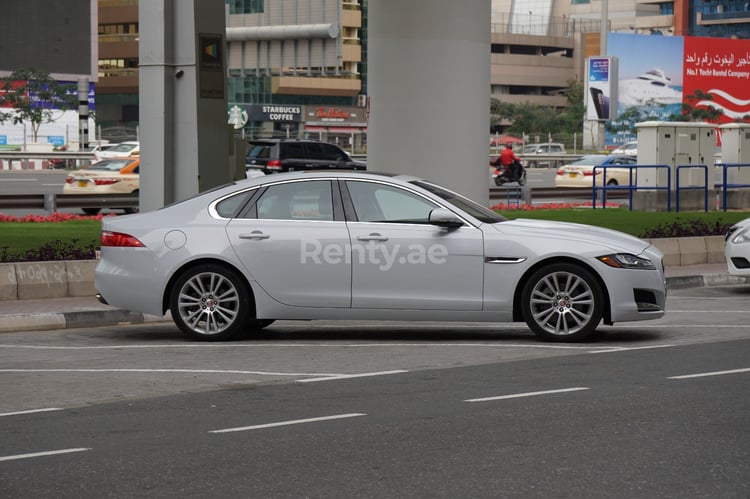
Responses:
[31,411]
[528,394]
[190,371]
[20,180]
[291,422]
[715,373]
[308,345]
[42,454]
[347,376]
[627,349]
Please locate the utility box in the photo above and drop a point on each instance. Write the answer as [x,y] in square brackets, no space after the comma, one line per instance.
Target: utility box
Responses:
[735,152]
[670,145]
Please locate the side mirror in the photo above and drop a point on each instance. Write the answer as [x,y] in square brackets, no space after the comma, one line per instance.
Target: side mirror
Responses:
[444,218]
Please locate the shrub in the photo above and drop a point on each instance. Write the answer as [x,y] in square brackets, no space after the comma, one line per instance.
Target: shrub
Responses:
[56,250]
[687,228]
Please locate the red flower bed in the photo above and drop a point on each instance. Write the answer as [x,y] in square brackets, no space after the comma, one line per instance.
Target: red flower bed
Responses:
[55,217]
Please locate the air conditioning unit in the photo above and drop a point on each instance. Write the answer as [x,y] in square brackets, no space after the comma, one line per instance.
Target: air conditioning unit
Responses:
[362,100]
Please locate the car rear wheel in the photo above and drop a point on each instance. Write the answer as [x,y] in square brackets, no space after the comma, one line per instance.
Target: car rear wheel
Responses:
[91,211]
[210,303]
[612,182]
[562,302]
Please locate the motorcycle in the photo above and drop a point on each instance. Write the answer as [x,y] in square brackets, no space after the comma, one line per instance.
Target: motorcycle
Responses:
[501,176]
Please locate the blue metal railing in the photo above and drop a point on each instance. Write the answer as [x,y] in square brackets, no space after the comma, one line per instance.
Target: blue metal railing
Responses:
[631,187]
[725,186]
[679,189]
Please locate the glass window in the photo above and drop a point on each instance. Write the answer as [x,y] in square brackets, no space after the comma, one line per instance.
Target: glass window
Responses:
[246,6]
[308,200]
[259,151]
[230,207]
[292,150]
[331,152]
[382,203]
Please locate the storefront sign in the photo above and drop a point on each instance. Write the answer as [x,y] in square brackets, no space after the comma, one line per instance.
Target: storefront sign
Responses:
[274,112]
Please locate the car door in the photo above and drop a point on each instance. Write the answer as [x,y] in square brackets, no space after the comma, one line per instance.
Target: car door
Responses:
[400,261]
[293,246]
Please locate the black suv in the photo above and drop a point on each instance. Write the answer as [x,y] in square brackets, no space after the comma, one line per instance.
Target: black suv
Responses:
[284,155]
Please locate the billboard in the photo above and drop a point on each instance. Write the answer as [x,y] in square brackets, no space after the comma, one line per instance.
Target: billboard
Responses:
[601,88]
[660,74]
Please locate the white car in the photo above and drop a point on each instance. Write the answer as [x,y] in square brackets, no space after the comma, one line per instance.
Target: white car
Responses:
[128,150]
[737,248]
[628,149]
[366,246]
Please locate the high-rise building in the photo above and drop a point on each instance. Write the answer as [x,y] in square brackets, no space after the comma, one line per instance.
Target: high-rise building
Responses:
[117,87]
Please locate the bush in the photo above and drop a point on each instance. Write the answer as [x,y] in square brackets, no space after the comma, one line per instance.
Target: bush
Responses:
[687,228]
[56,250]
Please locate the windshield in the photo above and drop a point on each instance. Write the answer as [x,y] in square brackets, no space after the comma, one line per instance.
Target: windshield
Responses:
[111,166]
[465,204]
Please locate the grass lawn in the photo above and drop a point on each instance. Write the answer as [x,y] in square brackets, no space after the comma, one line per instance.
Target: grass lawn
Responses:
[19,237]
[631,222]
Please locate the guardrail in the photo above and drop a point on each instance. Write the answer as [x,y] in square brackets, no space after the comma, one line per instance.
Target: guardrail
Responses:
[25,157]
[50,202]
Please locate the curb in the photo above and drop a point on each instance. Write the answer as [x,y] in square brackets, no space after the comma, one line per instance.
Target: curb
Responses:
[41,321]
[44,321]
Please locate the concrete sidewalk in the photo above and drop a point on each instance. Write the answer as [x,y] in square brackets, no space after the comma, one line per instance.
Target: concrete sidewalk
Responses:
[72,312]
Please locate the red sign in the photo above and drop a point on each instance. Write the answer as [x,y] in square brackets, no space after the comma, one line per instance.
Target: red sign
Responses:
[718,70]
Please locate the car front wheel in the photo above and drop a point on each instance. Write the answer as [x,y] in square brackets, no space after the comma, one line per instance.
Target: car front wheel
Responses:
[210,303]
[562,302]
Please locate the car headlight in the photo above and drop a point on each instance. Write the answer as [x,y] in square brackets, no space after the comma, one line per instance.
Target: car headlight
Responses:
[626,261]
[739,235]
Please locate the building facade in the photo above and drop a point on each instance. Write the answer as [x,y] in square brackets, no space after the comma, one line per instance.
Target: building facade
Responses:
[117,86]
[304,57]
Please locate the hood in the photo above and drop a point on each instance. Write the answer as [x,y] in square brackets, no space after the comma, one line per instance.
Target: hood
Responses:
[616,240]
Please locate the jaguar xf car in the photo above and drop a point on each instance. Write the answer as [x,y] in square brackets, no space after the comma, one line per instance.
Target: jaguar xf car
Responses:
[737,248]
[367,246]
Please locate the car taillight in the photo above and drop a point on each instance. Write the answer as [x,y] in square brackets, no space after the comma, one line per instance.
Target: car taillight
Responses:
[274,164]
[69,180]
[119,239]
[106,181]
[591,173]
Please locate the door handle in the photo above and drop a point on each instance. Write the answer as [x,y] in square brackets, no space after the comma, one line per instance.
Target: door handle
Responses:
[372,237]
[255,235]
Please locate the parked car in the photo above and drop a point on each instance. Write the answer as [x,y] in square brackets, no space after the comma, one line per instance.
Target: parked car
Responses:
[737,248]
[283,155]
[627,149]
[580,173]
[131,149]
[546,148]
[365,246]
[109,176]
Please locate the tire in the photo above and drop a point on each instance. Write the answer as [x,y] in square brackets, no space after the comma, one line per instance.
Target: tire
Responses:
[562,302]
[522,180]
[612,182]
[498,181]
[91,211]
[210,303]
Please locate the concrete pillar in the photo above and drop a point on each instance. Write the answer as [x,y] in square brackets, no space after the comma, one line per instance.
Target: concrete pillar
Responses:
[429,88]
[183,105]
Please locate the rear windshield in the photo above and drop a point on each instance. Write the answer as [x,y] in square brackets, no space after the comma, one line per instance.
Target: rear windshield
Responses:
[260,150]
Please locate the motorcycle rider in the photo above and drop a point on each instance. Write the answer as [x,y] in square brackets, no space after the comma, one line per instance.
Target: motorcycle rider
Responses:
[509,162]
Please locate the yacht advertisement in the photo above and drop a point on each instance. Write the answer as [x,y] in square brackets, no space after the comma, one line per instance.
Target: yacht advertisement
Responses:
[657,74]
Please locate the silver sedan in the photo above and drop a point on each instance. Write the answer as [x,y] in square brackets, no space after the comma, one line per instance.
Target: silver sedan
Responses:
[365,246]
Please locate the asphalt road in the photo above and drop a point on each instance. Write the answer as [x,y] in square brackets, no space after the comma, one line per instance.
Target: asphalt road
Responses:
[652,409]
